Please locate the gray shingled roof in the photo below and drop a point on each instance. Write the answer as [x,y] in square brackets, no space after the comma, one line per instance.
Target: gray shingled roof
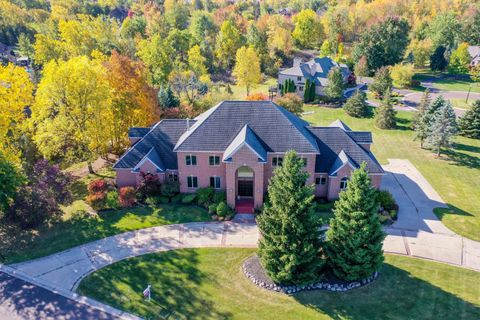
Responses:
[279,129]
[332,141]
[341,160]
[246,136]
[154,158]
[361,136]
[137,132]
[316,69]
[162,137]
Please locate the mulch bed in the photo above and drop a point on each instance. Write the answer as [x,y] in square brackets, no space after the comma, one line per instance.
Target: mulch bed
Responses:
[254,271]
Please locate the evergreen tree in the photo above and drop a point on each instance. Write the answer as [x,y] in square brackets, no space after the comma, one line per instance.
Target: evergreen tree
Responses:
[469,124]
[382,82]
[421,118]
[356,106]
[290,248]
[354,240]
[312,91]
[306,92]
[443,126]
[385,114]
[335,84]
[166,98]
[437,59]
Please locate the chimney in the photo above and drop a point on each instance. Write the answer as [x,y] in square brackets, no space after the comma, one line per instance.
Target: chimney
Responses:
[297,61]
[188,124]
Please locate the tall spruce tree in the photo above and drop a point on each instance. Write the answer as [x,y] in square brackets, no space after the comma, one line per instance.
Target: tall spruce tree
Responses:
[335,85]
[443,127]
[385,114]
[355,237]
[382,82]
[290,248]
[469,123]
[356,106]
[423,118]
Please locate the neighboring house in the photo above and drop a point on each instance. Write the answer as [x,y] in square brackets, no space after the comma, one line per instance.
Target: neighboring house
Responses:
[316,70]
[474,52]
[235,147]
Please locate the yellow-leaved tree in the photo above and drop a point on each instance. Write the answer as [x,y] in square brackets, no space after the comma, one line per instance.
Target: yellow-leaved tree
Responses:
[70,103]
[15,96]
[247,68]
[133,101]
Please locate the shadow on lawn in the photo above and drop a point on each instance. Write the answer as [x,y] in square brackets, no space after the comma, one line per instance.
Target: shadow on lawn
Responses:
[462,159]
[176,286]
[396,294]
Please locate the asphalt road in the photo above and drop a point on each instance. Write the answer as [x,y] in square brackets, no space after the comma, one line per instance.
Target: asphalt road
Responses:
[23,300]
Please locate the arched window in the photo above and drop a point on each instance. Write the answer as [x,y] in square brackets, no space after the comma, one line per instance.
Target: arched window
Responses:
[343,183]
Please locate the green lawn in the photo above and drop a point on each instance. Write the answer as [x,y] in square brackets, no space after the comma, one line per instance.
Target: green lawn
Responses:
[209,284]
[455,176]
[461,103]
[240,93]
[75,230]
[444,81]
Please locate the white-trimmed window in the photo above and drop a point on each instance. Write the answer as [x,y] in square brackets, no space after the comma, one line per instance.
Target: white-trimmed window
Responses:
[214,160]
[343,183]
[299,78]
[300,88]
[173,177]
[215,182]
[191,160]
[192,182]
[321,180]
[277,161]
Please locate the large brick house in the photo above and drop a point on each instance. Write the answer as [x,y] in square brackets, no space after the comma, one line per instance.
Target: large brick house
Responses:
[235,147]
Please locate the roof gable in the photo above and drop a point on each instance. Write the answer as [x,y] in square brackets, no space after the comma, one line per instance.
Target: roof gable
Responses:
[153,157]
[340,124]
[341,161]
[246,137]
[162,136]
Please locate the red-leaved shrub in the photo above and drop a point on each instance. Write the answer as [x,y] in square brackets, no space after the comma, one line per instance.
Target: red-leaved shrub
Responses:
[97,186]
[126,196]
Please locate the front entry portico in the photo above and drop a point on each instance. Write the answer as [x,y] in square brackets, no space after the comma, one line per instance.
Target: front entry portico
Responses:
[245,178]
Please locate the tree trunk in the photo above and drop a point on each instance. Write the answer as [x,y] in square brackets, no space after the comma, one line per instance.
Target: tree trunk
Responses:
[90,167]
[438,151]
[248,91]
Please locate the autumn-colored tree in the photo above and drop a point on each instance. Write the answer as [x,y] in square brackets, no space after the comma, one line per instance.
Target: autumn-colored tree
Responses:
[196,61]
[459,60]
[247,68]
[229,40]
[16,91]
[157,54]
[133,101]
[308,31]
[421,51]
[257,96]
[69,105]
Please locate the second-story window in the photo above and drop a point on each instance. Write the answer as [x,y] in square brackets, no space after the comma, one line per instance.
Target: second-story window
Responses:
[299,78]
[214,160]
[277,161]
[191,160]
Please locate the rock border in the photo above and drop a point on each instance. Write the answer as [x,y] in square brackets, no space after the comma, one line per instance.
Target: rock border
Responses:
[253,270]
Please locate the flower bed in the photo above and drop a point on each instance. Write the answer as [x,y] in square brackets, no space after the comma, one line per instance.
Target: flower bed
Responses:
[254,271]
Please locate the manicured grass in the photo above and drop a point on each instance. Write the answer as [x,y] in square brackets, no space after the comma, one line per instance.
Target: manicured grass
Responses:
[240,93]
[74,230]
[461,103]
[209,284]
[455,175]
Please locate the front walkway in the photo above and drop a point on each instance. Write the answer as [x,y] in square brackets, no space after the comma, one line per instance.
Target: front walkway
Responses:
[418,233]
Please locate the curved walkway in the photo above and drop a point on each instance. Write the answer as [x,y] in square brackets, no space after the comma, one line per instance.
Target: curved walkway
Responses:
[417,233]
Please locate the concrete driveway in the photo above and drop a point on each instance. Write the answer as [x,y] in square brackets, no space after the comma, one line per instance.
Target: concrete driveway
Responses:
[418,232]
